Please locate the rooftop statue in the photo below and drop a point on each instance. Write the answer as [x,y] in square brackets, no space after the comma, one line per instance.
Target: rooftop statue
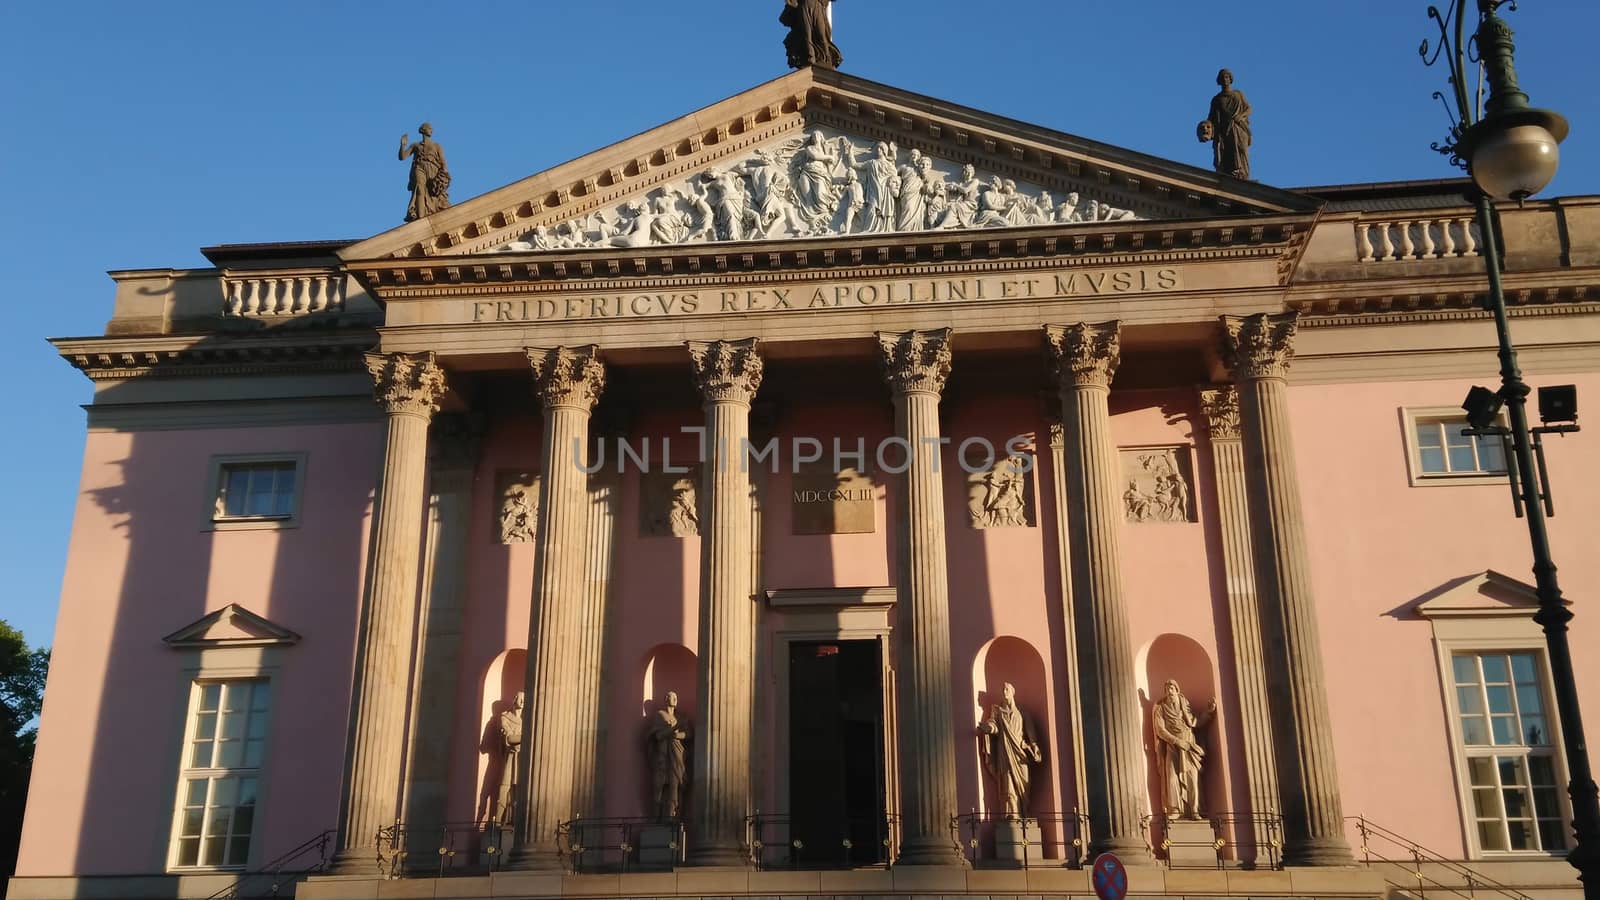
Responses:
[430,178]
[1227,129]
[810,40]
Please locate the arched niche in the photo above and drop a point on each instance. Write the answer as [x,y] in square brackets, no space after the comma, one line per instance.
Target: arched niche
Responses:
[1012,660]
[663,668]
[502,680]
[1182,659]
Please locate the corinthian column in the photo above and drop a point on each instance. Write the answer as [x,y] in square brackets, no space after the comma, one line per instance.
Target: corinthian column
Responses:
[408,386]
[916,364]
[1085,359]
[728,374]
[567,381]
[1258,349]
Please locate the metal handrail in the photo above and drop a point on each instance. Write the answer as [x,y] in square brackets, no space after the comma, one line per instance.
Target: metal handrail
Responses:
[1419,855]
[279,871]
[775,842]
[617,844]
[461,848]
[1262,840]
[1067,834]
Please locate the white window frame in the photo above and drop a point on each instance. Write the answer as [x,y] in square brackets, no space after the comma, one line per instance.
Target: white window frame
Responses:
[1410,418]
[214,517]
[196,682]
[1497,634]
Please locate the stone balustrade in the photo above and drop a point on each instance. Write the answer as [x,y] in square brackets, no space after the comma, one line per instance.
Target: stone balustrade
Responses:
[293,293]
[1423,236]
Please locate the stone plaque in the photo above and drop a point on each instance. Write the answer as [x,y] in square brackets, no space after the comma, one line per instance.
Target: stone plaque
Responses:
[516,510]
[1002,495]
[669,503]
[1157,485]
[825,501]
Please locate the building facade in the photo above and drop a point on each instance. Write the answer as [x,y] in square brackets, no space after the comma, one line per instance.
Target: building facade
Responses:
[833,491]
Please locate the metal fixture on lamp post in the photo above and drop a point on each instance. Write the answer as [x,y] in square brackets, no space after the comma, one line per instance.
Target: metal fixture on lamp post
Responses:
[1510,149]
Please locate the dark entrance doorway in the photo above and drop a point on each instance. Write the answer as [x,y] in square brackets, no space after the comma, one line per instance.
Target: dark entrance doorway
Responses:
[836,762]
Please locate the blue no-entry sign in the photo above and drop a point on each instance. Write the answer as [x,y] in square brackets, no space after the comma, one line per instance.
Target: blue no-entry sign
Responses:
[1110,878]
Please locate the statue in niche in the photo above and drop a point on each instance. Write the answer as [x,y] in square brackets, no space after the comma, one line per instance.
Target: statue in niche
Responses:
[1227,129]
[510,734]
[430,178]
[668,771]
[1179,755]
[518,517]
[1001,501]
[810,39]
[1009,748]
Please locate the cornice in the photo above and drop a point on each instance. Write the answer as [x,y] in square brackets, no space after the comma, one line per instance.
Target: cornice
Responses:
[1280,237]
[111,358]
[1576,290]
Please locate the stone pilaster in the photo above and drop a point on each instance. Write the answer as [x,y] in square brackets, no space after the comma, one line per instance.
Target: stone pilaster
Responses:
[408,386]
[916,364]
[728,374]
[568,381]
[1220,407]
[1258,349]
[454,452]
[1086,358]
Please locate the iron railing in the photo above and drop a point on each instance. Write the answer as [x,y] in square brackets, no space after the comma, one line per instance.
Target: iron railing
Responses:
[784,841]
[620,844]
[290,868]
[1049,839]
[1246,841]
[1414,862]
[441,851]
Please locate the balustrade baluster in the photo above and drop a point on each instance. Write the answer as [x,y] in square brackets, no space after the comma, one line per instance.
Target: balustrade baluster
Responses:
[1364,241]
[1386,242]
[1449,249]
[252,299]
[1408,248]
[235,300]
[1469,246]
[1427,239]
[302,298]
[319,299]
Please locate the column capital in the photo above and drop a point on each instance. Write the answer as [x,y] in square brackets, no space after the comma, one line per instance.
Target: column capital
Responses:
[1259,346]
[571,377]
[915,361]
[726,370]
[1220,405]
[406,383]
[1084,355]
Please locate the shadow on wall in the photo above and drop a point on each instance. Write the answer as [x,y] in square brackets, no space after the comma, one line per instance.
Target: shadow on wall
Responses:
[1179,658]
[667,667]
[501,684]
[1014,661]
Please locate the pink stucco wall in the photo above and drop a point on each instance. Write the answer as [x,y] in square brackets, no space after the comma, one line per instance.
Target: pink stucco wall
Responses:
[141,565]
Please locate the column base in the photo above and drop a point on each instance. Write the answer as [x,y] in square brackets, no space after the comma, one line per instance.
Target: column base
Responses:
[1131,851]
[722,856]
[537,858]
[1323,851]
[930,851]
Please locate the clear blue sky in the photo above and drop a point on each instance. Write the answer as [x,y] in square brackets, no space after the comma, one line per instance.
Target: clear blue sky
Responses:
[139,132]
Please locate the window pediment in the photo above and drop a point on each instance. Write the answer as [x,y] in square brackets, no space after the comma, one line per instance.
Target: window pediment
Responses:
[231,626]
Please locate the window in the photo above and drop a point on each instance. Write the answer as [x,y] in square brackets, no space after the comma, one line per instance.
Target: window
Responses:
[255,491]
[1510,755]
[217,789]
[1438,453]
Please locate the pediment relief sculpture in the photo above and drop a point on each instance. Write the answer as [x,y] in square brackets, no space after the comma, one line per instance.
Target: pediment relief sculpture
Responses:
[823,184]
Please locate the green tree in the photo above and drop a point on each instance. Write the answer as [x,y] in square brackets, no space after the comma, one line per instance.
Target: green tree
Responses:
[21,695]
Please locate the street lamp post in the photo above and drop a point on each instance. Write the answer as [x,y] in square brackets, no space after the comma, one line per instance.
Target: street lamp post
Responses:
[1511,151]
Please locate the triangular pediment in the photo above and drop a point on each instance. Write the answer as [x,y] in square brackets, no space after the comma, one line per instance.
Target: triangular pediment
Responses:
[1484,594]
[818,153]
[231,626]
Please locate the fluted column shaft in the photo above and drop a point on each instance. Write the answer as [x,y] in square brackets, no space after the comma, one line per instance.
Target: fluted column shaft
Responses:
[1258,349]
[1086,359]
[728,374]
[916,364]
[1221,410]
[408,386]
[568,382]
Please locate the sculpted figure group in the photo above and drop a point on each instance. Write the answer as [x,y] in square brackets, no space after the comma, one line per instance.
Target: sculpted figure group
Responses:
[817,186]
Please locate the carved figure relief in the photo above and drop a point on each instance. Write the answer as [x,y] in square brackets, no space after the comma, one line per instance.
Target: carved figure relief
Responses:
[668,769]
[1002,497]
[1179,755]
[1158,486]
[821,184]
[1010,747]
[668,504]
[517,517]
